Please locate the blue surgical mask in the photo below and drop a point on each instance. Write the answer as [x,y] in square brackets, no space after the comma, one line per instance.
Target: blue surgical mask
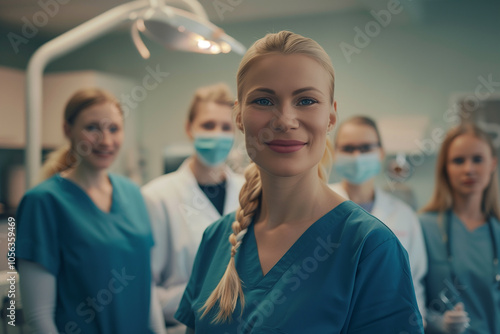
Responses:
[357,169]
[212,150]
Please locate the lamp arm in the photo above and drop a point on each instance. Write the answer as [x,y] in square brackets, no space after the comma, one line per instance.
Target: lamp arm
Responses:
[194,6]
[197,8]
[139,44]
[50,51]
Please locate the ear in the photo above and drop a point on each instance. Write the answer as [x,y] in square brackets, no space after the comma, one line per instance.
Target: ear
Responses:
[382,154]
[187,128]
[238,121]
[494,164]
[66,129]
[332,117]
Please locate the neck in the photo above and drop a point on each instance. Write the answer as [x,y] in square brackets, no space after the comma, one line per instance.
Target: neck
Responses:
[360,193]
[468,209]
[293,200]
[207,175]
[88,178]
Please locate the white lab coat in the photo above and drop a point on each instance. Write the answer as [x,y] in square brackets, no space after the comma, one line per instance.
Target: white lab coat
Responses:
[180,212]
[404,223]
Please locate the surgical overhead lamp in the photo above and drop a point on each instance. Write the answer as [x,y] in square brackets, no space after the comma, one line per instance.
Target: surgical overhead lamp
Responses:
[176,28]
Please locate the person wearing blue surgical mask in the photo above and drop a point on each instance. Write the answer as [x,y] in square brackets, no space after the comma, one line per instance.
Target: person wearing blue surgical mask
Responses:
[357,160]
[183,203]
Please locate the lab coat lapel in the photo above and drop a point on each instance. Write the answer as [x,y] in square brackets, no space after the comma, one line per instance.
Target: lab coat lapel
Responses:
[232,192]
[381,205]
[193,193]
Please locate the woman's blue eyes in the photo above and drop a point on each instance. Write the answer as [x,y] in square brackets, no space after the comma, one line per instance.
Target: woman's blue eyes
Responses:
[267,102]
[91,128]
[307,102]
[475,159]
[263,102]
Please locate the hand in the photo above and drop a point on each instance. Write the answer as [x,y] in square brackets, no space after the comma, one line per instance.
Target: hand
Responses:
[456,321]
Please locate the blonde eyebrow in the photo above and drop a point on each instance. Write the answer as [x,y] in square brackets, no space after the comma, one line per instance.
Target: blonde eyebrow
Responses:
[295,92]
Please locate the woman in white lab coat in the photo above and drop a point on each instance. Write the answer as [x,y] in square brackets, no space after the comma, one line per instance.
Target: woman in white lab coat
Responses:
[358,159]
[183,203]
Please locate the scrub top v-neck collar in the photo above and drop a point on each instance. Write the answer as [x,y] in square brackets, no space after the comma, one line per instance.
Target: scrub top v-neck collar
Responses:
[463,227]
[89,200]
[248,255]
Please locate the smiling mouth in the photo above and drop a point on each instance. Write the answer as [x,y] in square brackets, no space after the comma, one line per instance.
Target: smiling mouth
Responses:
[285,146]
[103,153]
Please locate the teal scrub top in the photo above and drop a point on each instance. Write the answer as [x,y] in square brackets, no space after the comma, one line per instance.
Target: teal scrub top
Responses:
[472,264]
[347,273]
[101,260]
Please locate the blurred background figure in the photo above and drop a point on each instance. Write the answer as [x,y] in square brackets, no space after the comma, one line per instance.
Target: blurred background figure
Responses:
[357,160]
[462,231]
[398,170]
[183,203]
[84,238]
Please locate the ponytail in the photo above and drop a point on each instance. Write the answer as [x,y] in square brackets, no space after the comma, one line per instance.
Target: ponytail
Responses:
[58,161]
[229,288]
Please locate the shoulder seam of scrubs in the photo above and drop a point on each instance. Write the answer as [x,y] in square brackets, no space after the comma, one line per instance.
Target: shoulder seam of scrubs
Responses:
[376,247]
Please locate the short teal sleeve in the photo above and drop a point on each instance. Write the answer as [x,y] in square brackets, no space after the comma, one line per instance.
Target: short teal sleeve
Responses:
[383,299]
[37,233]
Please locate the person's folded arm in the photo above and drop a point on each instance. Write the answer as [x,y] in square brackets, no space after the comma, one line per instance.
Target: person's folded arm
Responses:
[169,299]
[454,321]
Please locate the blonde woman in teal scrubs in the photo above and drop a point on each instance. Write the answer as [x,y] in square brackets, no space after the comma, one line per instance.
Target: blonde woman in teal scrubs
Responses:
[299,259]
[462,232]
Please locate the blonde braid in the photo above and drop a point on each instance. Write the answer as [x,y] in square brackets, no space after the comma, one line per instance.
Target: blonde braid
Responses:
[229,288]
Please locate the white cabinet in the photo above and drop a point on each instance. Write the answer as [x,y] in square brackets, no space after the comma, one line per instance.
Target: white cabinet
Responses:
[57,89]
[12,130]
